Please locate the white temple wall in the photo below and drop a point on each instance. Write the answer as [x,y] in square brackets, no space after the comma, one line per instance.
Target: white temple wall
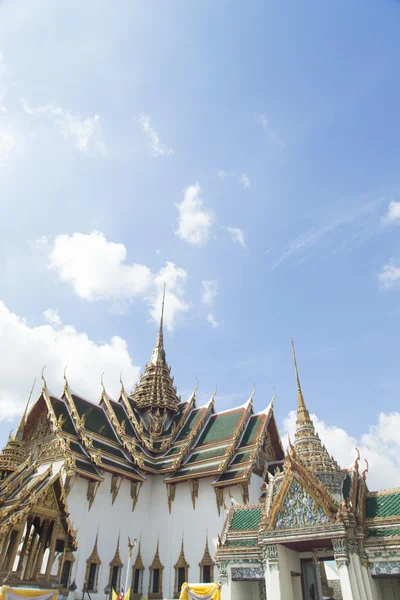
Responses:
[289,561]
[149,521]
[245,590]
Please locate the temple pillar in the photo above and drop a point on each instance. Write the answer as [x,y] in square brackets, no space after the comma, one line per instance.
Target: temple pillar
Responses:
[272,579]
[29,524]
[12,552]
[4,549]
[32,554]
[52,548]
[42,548]
[363,589]
[353,580]
[342,564]
[372,590]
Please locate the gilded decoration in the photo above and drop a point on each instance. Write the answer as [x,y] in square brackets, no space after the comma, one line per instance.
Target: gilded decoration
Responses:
[138,566]
[219,496]
[94,559]
[41,430]
[194,490]
[180,564]
[156,565]
[299,509]
[92,488]
[116,562]
[206,561]
[115,487]
[171,490]
[135,489]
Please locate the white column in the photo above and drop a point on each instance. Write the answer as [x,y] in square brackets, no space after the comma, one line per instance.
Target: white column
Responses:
[342,563]
[225,579]
[355,560]
[272,580]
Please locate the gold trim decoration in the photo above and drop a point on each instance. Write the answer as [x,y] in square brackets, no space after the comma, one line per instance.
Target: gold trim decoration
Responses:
[94,558]
[116,482]
[92,488]
[137,566]
[116,562]
[194,490]
[180,564]
[171,490]
[156,564]
[219,496]
[206,561]
[135,489]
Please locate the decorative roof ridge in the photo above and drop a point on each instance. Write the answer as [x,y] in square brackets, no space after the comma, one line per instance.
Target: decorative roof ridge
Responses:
[236,409]
[384,492]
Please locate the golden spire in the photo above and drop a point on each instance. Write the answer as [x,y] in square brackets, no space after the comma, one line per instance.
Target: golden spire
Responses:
[44,386]
[302,412]
[159,352]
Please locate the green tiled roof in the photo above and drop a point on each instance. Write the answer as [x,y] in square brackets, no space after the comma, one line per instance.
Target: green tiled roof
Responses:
[241,543]
[77,448]
[89,468]
[109,449]
[181,408]
[386,505]
[174,450]
[122,467]
[250,435]
[60,408]
[122,416]
[246,519]
[220,427]
[95,418]
[241,457]
[384,532]
[346,487]
[191,469]
[198,456]
[231,475]
[190,423]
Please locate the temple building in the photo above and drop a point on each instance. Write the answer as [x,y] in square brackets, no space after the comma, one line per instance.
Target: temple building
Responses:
[201,495]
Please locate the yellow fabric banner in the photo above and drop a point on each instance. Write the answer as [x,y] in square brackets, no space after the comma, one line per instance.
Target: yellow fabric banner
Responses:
[7,592]
[200,591]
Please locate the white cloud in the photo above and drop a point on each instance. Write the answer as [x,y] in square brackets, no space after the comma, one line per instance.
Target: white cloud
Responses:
[194,223]
[97,270]
[242,179]
[157,148]
[211,319]
[210,291]
[86,132]
[245,180]
[393,214]
[380,446]
[272,135]
[33,347]
[51,315]
[7,145]
[389,275]
[236,235]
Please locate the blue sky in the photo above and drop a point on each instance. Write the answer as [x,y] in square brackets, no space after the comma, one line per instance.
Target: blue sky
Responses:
[253,145]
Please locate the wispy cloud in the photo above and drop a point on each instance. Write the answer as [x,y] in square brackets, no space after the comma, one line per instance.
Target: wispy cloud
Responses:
[243,179]
[194,223]
[210,291]
[393,214]
[390,275]
[305,243]
[85,132]
[272,135]
[157,148]
[236,235]
[212,320]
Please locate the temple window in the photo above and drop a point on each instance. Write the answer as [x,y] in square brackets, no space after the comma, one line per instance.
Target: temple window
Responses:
[116,565]
[92,569]
[206,566]
[65,575]
[181,572]
[137,576]
[156,573]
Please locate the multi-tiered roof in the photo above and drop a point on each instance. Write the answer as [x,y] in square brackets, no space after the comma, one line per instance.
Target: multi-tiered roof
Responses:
[148,432]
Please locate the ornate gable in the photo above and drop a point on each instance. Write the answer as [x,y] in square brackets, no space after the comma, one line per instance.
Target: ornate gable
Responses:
[299,509]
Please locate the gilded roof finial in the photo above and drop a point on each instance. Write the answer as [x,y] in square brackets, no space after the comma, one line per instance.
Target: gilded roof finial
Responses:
[19,432]
[302,412]
[216,390]
[44,386]
[102,383]
[121,382]
[273,398]
[65,378]
[355,465]
[252,393]
[364,473]
[160,340]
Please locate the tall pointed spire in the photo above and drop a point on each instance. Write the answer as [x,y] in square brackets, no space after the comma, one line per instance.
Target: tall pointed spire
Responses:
[155,395]
[159,352]
[308,446]
[302,412]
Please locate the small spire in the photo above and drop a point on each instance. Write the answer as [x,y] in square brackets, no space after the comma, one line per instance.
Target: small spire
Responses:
[20,429]
[159,352]
[102,383]
[65,378]
[121,382]
[44,386]
[302,412]
[216,390]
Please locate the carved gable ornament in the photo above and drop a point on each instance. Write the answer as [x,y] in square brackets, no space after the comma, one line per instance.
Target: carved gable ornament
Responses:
[301,500]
